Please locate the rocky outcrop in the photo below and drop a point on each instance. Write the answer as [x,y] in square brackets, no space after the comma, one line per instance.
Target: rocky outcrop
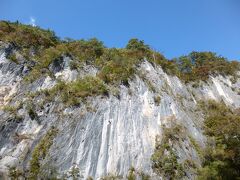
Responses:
[105,134]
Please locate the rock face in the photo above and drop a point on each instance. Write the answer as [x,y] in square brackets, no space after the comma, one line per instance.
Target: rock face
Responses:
[104,135]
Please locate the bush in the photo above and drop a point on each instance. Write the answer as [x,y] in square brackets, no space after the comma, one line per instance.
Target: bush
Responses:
[75,173]
[131,174]
[144,176]
[80,51]
[196,146]
[157,100]
[199,65]
[31,111]
[88,86]
[117,66]
[73,65]
[115,72]
[48,55]
[26,36]
[40,151]
[13,58]
[221,158]
[164,159]
[86,50]
[15,173]
[138,45]
[10,109]
[44,59]
[111,177]
[13,111]
[72,93]
[44,47]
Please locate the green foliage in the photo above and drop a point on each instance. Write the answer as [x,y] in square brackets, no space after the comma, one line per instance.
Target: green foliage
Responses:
[233,79]
[71,93]
[199,65]
[116,65]
[131,174]
[31,110]
[15,173]
[190,165]
[212,171]
[82,51]
[13,58]
[149,83]
[48,55]
[13,111]
[10,109]
[73,65]
[221,158]
[32,113]
[196,146]
[144,176]
[111,177]
[169,66]
[137,45]
[44,59]
[86,50]
[40,151]
[185,64]
[87,87]
[26,36]
[164,159]
[157,100]
[74,173]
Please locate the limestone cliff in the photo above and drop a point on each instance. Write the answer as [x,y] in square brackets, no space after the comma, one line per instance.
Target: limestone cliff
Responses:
[105,134]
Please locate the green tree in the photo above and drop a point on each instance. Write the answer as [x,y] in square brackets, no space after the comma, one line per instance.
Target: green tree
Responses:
[135,44]
[201,58]
[185,64]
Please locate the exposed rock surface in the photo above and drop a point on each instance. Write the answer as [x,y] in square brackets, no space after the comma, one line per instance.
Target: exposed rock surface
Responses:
[104,135]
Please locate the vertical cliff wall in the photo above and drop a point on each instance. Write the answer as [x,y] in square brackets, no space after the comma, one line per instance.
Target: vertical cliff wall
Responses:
[105,134]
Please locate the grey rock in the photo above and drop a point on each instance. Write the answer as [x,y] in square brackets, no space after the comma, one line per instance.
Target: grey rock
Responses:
[105,135]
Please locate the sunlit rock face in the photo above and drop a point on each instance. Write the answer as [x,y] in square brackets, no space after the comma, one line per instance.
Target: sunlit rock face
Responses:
[104,135]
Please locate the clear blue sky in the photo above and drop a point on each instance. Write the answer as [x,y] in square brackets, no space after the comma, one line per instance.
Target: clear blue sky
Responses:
[173,27]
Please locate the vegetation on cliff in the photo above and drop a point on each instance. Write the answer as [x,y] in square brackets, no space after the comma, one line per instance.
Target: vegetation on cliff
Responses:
[164,159]
[73,92]
[115,66]
[199,65]
[26,36]
[40,152]
[221,157]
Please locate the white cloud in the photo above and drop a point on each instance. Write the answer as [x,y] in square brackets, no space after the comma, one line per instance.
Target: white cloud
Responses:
[32,21]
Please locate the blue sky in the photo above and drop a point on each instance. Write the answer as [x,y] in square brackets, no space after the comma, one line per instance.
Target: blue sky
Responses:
[173,27]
